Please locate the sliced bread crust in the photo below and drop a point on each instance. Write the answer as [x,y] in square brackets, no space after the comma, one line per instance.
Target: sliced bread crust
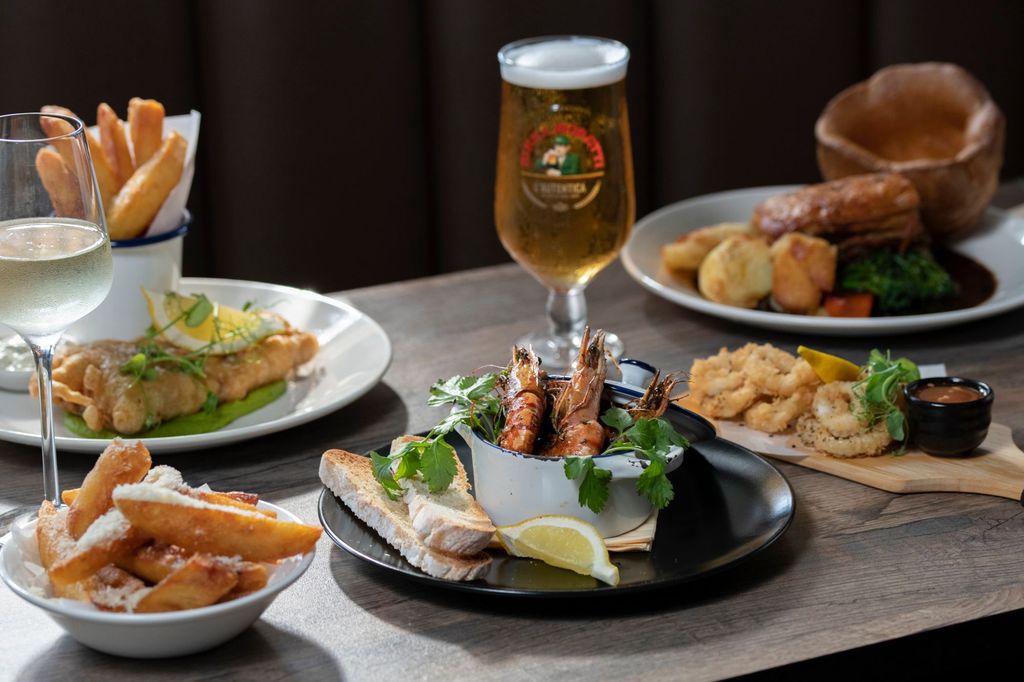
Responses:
[350,478]
[451,521]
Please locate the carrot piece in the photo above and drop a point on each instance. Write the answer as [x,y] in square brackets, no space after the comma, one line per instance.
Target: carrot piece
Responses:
[849,305]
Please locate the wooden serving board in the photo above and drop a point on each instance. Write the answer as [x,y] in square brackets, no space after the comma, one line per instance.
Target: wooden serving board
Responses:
[995,468]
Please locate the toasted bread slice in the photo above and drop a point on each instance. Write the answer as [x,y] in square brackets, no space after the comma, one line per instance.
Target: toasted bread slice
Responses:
[451,521]
[350,478]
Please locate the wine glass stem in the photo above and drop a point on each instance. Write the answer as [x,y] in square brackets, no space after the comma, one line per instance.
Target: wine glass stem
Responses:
[42,349]
[567,314]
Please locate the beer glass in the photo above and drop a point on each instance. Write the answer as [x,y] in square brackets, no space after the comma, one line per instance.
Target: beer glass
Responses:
[564,202]
[55,261]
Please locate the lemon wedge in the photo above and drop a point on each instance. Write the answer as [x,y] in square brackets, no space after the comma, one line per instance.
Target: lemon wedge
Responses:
[562,541]
[828,367]
[221,330]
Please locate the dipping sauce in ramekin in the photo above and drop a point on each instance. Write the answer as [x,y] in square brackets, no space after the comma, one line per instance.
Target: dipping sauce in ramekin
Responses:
[948,394]
[949,416]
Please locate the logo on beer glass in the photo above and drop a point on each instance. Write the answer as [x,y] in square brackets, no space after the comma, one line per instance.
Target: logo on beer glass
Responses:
[561,165]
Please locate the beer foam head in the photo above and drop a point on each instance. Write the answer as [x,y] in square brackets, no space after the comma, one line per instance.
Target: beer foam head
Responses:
[563,62]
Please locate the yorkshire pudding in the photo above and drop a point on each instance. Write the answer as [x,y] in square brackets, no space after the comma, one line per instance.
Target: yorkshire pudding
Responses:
[933,123]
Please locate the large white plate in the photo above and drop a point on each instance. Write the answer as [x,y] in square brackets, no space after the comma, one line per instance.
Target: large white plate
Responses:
[998,245]
[354,354]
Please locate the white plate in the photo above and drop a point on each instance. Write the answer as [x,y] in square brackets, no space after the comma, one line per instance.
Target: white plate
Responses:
[354,354]
[998,245]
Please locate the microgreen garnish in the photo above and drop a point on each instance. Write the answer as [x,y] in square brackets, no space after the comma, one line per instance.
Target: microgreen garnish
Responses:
[649,439]
[877,394]
[151,354]
[211,402]
[198,311]
[473,404]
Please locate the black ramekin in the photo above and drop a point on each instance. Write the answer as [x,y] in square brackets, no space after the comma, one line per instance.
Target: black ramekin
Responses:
[948,429]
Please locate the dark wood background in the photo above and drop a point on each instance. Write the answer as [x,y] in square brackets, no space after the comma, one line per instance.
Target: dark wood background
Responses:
[333,129]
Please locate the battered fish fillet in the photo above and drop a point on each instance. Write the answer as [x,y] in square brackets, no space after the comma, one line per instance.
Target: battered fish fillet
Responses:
[88,380]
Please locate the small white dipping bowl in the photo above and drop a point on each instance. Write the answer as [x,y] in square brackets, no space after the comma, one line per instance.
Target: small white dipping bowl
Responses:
[512,486]
[158,635]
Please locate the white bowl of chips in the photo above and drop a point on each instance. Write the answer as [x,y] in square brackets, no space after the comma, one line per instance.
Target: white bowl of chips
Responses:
[141,635]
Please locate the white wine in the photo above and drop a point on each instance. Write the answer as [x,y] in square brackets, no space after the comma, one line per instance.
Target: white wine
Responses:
[53,271]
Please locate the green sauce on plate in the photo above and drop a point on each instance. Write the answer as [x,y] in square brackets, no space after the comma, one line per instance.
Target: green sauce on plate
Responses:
[190,424]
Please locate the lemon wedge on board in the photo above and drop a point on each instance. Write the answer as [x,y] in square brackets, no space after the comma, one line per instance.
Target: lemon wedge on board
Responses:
[221,331]
[828,367]
[562,541]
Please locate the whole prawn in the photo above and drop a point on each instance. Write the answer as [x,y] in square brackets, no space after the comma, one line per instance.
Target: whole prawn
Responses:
[653,403]
[575,414]
[524,402]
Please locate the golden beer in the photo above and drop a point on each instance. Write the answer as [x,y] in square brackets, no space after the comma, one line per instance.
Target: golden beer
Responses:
[564,228]
[564,202]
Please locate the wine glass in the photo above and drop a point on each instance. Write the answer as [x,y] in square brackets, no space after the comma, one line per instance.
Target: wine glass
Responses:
[564,202]
[55,260]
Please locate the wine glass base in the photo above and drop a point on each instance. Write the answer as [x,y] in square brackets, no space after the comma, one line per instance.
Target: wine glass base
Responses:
[12,516]
[558,355]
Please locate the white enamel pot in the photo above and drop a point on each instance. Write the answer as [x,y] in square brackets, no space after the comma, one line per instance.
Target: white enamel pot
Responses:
[152,263]
[512,486]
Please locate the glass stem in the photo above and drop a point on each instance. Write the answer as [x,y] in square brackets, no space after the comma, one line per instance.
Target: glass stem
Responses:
[567,315]
[42,349]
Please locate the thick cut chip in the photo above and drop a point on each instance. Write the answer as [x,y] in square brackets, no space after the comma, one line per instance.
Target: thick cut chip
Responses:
[198,526]
[58,127]
[201,581]
[108,539]
[138,202]
[121,462]
[114,143]
[154,562]
[146,127]
[60,183]
[251,577]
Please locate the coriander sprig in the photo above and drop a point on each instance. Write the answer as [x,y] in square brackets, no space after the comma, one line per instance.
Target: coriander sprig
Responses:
[649,439]
[433,458]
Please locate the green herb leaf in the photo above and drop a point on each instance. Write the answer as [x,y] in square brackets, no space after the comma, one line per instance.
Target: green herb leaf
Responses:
[474,401]
[382,472]
[576,466]
[409,460]
[210,404]
[654,485]
[199,311]
[617,418]
[458,415]
[593,493]
[877,395]
[461,390]
[649,439]
[437,465]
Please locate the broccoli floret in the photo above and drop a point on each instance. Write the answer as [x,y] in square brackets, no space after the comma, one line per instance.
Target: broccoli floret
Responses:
[899,282]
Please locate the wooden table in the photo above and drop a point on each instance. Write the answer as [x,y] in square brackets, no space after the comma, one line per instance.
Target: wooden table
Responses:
[858,566]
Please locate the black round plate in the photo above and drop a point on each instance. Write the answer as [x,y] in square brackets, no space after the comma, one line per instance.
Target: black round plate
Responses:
[729,504]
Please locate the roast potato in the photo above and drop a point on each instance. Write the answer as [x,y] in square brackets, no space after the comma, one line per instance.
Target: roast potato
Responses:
[737,272]
[803,269]
[687,252]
